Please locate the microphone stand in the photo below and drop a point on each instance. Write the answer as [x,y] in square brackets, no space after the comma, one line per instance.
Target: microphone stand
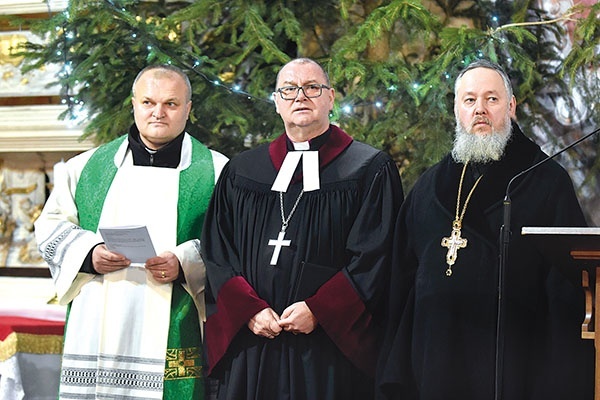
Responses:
[505,234]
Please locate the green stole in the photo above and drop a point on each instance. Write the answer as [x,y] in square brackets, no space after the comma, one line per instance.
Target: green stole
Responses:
[183,364]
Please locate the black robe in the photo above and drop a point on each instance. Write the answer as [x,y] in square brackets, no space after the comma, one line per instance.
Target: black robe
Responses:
[441,336]
[340,246]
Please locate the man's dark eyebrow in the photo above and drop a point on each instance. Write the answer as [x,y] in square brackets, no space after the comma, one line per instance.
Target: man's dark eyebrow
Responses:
[169,100]
[310,82]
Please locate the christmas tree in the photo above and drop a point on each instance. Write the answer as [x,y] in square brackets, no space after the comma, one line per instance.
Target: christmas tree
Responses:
[392,63]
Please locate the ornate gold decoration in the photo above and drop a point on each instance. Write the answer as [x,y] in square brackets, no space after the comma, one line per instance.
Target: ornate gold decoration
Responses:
[183,363]
[7,44]
[17,216]
[7,223]
[30,343]
[21,190]
[455,241]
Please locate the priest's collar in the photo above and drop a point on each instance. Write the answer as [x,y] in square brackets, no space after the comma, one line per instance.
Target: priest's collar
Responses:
[168,156]
[320,151]
[313,144]
[301,146]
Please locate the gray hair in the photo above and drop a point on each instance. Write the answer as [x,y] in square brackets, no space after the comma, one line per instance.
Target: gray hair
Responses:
[305,60]
[489,65]
[165,67]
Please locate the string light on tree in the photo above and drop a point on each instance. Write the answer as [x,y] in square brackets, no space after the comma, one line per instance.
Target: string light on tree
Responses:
[369,92]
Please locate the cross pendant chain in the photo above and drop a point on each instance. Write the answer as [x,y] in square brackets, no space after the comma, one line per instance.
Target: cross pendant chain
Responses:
[281,241]
[453,243]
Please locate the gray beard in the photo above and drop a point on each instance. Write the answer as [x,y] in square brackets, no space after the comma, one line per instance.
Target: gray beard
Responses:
[469,147]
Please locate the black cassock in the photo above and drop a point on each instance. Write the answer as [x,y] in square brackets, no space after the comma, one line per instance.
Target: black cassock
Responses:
[337,261]
[441,341]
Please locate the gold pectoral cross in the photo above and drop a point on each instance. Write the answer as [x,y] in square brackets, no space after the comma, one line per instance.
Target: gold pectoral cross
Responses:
[453,243]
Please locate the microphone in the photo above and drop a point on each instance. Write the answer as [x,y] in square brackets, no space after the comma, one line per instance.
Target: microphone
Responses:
[507,197]
[505,240]
[507,202]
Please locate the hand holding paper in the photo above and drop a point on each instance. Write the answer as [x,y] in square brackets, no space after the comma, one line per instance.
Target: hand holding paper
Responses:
[133,242]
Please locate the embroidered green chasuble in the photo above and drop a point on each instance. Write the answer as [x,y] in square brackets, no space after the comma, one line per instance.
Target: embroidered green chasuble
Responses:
[183,376]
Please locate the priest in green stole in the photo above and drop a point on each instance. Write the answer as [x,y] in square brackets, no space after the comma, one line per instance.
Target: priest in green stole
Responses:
[134,329]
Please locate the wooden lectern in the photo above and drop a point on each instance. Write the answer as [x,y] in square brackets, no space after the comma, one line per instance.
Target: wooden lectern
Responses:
[577,248]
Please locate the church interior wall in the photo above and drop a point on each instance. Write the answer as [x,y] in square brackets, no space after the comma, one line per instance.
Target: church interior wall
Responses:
[32,140]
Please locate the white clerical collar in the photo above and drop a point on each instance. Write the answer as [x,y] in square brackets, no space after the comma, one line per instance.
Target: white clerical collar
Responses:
[310,168]
[301,145]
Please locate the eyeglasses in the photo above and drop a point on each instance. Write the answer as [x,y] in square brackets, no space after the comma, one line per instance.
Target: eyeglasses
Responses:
[311,91]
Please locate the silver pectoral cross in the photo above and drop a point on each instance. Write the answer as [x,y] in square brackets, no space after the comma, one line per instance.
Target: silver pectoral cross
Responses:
[453,243]
[278,243]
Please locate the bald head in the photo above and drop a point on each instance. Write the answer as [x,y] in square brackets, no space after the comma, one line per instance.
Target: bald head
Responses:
[159,71]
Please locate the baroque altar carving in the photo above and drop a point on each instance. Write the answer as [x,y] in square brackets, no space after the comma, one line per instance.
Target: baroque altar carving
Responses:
[22,197]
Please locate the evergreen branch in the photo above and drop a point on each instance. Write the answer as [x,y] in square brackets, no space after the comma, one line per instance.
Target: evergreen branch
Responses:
[393,63]
[149,39]
[257,33]
[383,18]
[198,10]
[288,23]
[588,28]
[345,7]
